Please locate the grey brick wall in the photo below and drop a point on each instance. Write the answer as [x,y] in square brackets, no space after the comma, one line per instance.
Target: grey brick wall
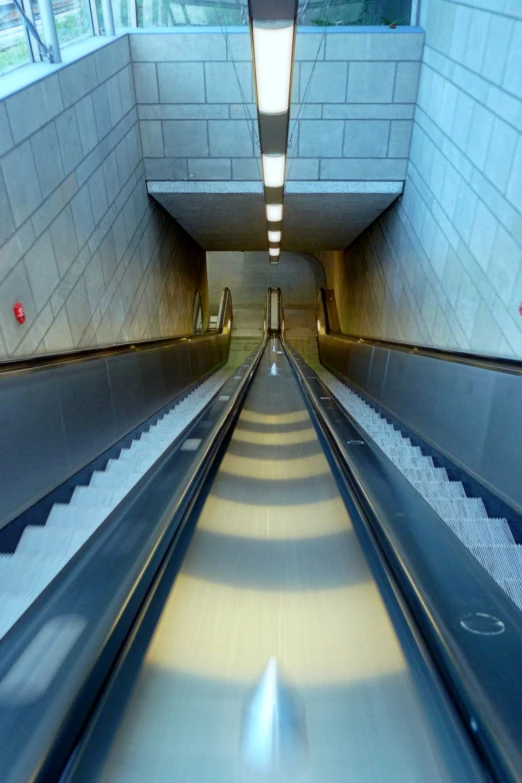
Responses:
[444,265]
[91,257]
[353,102]
[248,275]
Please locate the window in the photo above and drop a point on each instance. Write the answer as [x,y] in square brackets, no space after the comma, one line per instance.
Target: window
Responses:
[355,12]
[124,13]
[14,45]
[73,20]
[173,13]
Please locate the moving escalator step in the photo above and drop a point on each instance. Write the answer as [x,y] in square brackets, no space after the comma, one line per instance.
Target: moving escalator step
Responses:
[489,540]
[43,551]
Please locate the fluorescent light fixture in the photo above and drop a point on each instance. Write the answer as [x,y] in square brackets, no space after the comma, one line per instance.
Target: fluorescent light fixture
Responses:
[274,236]
[273,251]
[274,212]
[273,59]
[274,170]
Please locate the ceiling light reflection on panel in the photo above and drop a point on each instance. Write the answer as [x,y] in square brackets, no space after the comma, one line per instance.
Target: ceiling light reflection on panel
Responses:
[274,236]
[273,57]
[274,170]
[274,212]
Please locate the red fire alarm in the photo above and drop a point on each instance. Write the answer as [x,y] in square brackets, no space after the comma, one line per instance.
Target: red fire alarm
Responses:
[19,312]
[520,309]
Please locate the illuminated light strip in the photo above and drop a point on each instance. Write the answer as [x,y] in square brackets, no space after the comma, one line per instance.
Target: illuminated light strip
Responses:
[273,25]
[274,170]
[274,213]
[273,48]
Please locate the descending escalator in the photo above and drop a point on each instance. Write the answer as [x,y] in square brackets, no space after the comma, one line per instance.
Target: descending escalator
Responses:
[271,647]
[271,600]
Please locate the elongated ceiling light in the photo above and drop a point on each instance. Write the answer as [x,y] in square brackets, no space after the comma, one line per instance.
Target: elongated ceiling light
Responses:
[272,27]
[274,213]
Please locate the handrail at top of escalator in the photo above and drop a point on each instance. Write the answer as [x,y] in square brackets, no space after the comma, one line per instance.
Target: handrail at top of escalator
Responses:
[447,590]
[103,586]
[475,359]
[30,363]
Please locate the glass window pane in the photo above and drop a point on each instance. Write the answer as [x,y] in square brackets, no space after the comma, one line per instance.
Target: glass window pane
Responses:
[122,10]
[73,20]
[355,12]
[172,13]
[14,50]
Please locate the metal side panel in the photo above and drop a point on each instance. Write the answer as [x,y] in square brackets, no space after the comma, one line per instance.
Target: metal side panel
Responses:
[471,413]
[128,394]
[86,407]
[33,445]
[153,378]
[58,417]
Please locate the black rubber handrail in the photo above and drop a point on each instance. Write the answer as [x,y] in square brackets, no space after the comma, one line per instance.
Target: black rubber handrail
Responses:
[496,363]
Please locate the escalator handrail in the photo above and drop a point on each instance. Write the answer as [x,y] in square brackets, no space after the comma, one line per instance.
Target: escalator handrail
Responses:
[36,738]
[441,581]
[475,359]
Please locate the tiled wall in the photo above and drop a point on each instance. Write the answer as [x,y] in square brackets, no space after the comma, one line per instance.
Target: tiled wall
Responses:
[91,257]
[249,275]
[444,265]
[353,103]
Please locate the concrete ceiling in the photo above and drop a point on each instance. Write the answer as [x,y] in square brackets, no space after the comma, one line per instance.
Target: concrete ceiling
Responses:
[317,216]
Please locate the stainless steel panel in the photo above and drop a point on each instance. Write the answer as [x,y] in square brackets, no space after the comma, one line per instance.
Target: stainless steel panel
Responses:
[501,456]
[377,368]
[152,377]
[32,439]
[471,414]
[86,409]
[127,390]
[57,418]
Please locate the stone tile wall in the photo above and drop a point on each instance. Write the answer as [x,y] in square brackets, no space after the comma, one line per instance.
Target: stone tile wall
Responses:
[352,112]
[91,257]
[443,266]
[249,275]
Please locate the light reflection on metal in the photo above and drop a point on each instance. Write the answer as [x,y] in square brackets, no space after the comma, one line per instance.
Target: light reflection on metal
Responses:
[274,740]
[273,369]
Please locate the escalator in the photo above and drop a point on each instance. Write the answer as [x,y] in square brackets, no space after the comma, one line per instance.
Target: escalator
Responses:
[264,605]
[273,617]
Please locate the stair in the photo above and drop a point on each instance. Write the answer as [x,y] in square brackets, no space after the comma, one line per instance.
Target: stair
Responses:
[43,551]
[489,540]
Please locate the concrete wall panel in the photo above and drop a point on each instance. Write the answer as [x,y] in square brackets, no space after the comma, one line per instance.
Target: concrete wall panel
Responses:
[361,76]
[91,257]
[443,266]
